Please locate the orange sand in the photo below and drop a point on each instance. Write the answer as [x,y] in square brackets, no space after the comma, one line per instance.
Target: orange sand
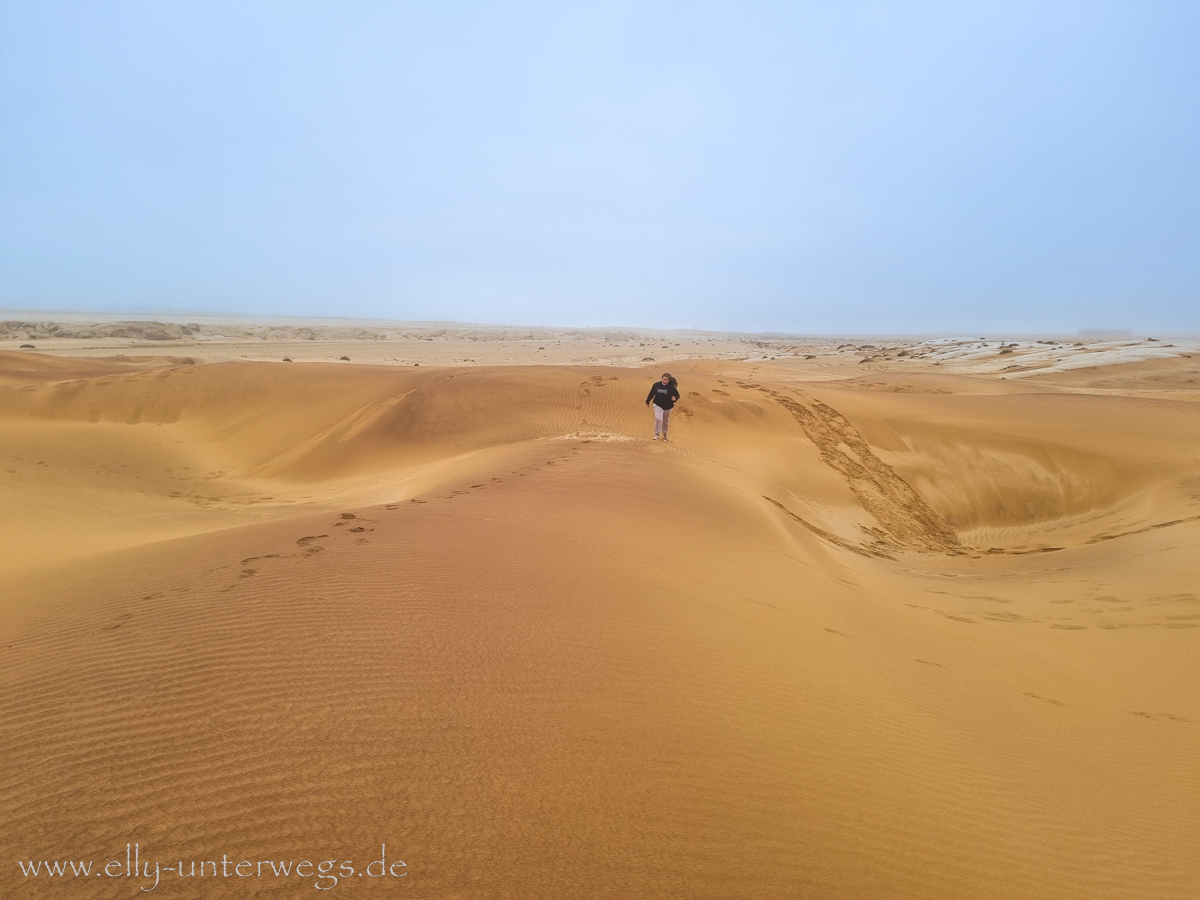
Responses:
[859,630]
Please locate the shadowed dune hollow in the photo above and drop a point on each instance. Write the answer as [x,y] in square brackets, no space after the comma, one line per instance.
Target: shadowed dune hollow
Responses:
[929,637]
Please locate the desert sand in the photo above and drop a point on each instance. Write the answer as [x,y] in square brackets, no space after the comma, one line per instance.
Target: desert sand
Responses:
[886,618]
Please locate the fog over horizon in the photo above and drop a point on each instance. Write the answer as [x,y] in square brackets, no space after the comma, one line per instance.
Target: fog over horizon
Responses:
[992,169]
[212,317]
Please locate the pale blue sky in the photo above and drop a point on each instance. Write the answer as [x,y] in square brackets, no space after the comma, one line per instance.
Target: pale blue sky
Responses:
[804,167]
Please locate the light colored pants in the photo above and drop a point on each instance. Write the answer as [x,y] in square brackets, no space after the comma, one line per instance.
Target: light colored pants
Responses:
[662,418]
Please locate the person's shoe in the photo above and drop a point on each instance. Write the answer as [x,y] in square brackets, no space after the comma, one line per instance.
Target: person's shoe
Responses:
[664,437]
[655,438]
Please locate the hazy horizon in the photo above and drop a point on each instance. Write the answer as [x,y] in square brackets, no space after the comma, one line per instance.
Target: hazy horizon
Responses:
[183,316]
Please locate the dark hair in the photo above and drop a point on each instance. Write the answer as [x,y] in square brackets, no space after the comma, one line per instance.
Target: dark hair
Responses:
[671,379]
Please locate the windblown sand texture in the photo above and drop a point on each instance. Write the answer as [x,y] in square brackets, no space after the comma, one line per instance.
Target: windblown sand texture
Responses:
[920,626]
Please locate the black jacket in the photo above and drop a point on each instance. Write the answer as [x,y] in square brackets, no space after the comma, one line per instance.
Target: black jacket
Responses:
[663,395]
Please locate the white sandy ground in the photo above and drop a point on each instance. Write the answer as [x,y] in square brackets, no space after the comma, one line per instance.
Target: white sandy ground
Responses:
[895,620]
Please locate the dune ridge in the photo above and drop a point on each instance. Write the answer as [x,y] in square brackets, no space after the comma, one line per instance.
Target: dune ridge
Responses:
[894,633]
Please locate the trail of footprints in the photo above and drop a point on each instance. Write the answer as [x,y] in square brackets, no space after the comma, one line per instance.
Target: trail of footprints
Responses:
[907,521]
[1172,621]
[354,524]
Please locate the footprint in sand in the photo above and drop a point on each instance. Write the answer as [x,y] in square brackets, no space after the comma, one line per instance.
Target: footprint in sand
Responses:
[1158,716]
[118,622]
[1049,700]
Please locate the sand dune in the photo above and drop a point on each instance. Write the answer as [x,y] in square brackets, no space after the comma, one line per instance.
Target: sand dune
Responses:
[862,629]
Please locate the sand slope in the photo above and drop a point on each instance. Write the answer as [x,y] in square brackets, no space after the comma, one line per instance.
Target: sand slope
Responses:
[919,635]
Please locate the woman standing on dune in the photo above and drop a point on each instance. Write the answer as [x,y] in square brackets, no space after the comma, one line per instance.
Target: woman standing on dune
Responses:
[664,393]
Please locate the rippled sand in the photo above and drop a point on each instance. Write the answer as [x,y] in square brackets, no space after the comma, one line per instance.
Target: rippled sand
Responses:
[915,627]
